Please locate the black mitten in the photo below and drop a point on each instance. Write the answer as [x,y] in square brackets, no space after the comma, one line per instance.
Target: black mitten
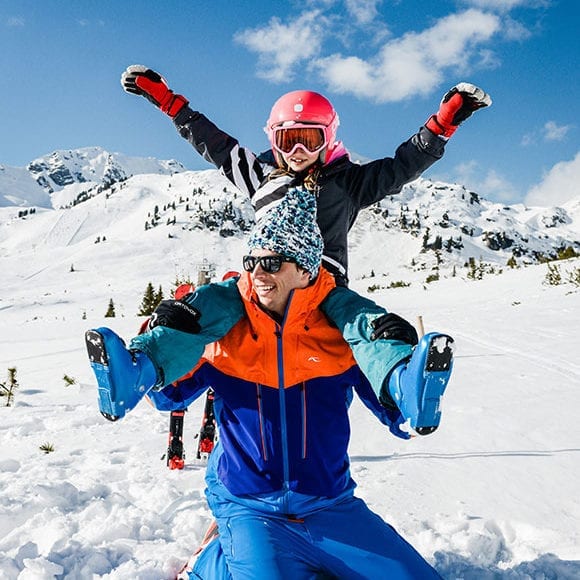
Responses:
[392,327]
[177,315]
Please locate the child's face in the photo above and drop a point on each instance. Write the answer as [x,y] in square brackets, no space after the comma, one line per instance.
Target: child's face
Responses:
[300,159]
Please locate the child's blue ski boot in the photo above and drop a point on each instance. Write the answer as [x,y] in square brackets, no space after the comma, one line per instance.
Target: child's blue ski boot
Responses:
[416,386]
[124,377]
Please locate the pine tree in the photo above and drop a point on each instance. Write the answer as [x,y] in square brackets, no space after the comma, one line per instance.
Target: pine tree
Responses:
[565,253]
[7,389]
[553,276]
[110,310]
[512,262]
[158,297]
[574,277]
[148,304]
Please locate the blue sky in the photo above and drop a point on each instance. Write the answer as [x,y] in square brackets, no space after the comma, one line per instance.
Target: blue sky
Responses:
[384,64]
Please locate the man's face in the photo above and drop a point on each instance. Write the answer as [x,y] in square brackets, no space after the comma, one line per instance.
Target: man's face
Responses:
[273,289]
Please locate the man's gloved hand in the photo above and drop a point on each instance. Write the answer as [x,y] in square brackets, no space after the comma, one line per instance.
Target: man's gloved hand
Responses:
[177,315]
[392,327]
[140,80]
[457,105]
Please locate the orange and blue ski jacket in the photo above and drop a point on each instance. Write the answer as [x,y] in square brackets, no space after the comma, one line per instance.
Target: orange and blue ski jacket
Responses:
[282,392]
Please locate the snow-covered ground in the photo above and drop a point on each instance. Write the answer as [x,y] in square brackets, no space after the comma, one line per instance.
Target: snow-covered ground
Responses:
[491,494]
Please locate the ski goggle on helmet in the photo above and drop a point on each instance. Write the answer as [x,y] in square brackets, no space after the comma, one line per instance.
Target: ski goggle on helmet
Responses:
[302,119]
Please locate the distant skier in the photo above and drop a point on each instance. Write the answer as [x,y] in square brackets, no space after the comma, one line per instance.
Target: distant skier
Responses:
[305,153]
[278,481]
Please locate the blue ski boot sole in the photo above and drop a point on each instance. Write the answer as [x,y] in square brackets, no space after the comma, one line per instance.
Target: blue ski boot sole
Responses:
[124,376]
[99,360]
[416,387]
[437,370]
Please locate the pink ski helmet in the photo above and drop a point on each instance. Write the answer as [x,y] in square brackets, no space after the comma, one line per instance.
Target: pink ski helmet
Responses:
[303,108]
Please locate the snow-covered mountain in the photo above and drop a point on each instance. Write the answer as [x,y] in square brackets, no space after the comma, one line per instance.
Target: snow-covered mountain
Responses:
[445,225]
[73,171]
[430,230]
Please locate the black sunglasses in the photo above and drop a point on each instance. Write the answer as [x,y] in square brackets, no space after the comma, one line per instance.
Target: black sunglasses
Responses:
[270,264]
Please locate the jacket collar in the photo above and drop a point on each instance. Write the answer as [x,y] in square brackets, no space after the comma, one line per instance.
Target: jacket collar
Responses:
[302,301]
[338,152]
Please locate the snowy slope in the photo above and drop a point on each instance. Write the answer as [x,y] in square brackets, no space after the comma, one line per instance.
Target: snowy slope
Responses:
[491,494]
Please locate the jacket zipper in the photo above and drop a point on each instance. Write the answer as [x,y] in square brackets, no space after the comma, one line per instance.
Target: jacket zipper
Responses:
[304,424]
[282,397]
[261,420]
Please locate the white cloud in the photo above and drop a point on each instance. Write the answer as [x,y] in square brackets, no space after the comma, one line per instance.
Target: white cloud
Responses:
[414,63]
[550,132]
[528,139]
[491,185]
[281,47]
[506,5]
[558,186]
[364,11]
[84,22]
[488,59]
[555,132]
[15,21]
[514,30]
[497,187]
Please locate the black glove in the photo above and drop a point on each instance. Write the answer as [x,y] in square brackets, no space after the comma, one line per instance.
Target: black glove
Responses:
[177,315]
[392,327]
[140,80]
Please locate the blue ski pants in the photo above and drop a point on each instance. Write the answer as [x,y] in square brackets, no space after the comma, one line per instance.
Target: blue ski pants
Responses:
[344,541]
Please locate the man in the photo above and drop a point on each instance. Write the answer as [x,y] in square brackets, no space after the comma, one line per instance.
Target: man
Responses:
[278,482]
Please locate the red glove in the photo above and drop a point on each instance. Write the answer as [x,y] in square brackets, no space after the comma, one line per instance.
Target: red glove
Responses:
[457,105]
[140,80]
